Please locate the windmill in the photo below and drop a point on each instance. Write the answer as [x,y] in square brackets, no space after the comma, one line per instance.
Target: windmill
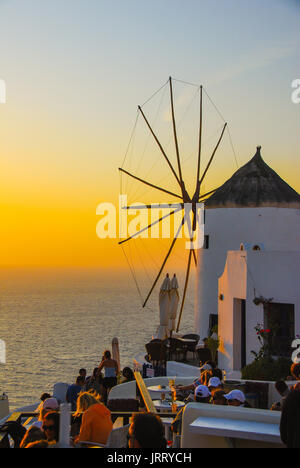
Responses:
[192,199]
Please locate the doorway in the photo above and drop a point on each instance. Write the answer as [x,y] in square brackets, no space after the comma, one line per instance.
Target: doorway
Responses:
[239,334]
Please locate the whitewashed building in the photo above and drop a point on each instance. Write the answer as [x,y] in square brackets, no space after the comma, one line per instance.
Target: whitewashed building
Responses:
[257,215]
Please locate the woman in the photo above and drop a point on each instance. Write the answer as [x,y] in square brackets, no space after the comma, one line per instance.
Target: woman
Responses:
[96,422]
[128,375]
[51,427]
[110,367]
[95,382]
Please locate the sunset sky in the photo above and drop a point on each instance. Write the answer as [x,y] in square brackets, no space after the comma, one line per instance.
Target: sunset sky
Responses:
[75,72]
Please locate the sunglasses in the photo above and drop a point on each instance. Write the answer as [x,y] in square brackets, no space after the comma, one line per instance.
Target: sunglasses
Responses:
[48,428]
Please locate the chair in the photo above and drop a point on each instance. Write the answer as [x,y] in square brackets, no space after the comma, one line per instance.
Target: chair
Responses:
[120,405]
[117,439]
[176,348]
[60,391]
[157,352]
[191,346]
[191,336]
[258,391]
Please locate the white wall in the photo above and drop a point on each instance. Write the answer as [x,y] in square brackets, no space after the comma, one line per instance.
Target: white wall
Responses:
[277,228]
[273,275]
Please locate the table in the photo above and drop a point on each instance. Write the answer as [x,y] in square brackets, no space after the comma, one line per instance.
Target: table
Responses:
[158,389]
[187,340]
[166,406]
[238,429]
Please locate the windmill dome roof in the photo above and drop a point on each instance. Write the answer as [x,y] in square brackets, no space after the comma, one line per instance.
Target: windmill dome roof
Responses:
[254,185]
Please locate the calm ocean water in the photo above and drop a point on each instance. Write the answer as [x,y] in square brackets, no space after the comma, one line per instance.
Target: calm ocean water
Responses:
[53,323]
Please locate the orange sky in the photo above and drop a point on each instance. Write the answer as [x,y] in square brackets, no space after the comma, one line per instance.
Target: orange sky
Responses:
[74,79]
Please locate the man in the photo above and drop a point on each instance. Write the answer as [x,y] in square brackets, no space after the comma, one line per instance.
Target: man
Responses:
[74,390]
[146,431]
[218,398]
[236,398]
[204,370]
[202,394]
[283,391]
[82,373]
[215,384]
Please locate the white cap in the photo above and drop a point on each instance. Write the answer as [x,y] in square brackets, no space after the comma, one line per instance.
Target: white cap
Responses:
[202,391]
[205,367]
[236,395]
[50,404]
[214,382]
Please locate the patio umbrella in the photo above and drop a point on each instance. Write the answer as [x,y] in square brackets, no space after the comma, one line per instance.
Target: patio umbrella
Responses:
[164,308]
[115,351]
[174,301]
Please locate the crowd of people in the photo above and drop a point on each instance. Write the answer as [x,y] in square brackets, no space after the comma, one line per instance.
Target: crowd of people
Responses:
[87,396]
[92,420]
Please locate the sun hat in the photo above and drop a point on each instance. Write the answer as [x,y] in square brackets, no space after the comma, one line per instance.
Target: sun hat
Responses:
[202,391]
[236,395]
[50,404]
[214,382]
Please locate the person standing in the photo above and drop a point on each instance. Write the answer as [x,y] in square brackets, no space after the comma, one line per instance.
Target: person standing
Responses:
[110,367]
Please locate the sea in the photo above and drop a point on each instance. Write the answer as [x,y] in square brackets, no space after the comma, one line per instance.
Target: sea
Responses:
[54,322]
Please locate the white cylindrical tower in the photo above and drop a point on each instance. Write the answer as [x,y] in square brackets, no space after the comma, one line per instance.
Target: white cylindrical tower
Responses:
[255,209]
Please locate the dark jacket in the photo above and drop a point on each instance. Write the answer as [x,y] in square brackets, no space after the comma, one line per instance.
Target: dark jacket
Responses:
[290,420]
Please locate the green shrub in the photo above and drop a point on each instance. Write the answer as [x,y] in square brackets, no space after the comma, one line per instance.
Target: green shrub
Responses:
[267,368]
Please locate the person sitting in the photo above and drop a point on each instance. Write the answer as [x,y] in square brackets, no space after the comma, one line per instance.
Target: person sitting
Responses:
[128,375]
[218,398]
[110,367]
[96,423]
[217,373]
[95,382]
[146,431]
[82,373]
[50,404]
[215,384]
[51,427]
[33,434]
[236,398]
[74,390]
[202,394]
[44,397]
[283,391]
[186,390]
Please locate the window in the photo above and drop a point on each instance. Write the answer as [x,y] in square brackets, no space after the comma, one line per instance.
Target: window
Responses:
[213,322]
[280,320]
[206,242]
